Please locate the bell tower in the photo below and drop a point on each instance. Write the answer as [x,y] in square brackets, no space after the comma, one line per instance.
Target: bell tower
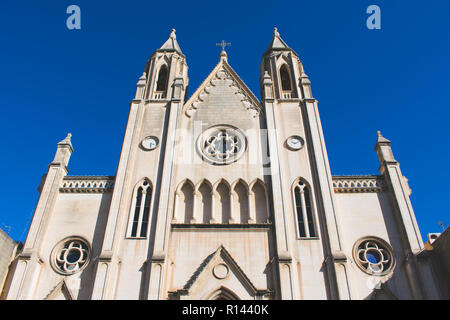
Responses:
[166,67]
[143,171]
[304,207]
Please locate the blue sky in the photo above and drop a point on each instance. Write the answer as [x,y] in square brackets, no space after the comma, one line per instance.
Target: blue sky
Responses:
[54,81]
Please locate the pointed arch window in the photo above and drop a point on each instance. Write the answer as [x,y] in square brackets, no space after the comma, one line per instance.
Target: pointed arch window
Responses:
[285,78]
[163,75]
[140,212]
[305,219]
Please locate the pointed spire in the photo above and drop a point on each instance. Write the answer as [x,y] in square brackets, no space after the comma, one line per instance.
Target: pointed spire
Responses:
[382,139]
[384,151]
[67,140]
[277,43]
[171,44]
[63,151]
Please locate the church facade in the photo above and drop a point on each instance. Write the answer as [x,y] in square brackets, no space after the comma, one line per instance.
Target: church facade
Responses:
[223,196]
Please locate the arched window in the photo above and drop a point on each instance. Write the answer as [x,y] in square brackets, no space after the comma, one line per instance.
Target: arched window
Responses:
[241,202]
[223,202]
[304,211]
[259,202]
[285,78]
[140,213]
[205,204]
[161,84]
[187,203]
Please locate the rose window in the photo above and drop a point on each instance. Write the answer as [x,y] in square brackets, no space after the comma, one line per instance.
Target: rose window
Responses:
[222,145]
[71,256]
[374,256]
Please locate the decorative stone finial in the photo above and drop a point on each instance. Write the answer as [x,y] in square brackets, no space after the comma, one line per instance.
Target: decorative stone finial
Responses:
[275,32]
[66,141]
[144,76]
[172,34]
[223,55]
[381,139]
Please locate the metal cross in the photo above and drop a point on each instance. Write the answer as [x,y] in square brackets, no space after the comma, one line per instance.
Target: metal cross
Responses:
[223,44]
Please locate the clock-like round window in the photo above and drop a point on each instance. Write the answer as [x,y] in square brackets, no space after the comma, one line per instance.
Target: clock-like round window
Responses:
[295,143]
[222,145]
[70,256]
[149,143]
[374,256]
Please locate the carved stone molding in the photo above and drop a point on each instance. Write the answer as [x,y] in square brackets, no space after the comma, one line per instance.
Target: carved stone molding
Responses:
[87,184]
[358,184]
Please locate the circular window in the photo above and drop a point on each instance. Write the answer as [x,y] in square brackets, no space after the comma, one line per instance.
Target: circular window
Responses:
[70,256]
[222,144]
[374,256]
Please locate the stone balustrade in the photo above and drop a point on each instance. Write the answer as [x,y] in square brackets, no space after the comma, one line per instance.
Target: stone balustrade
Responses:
[87,184]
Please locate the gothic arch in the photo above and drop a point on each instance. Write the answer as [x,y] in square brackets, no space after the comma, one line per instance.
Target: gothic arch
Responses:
[220,181]
[222,205]
[240,180]
[285,78]
[298,180]
[204,181]
[140,205]
[152,71]
[184,202]
[258,181]
[204,192]
[222,293]
[240,197]
[259,201]
[182,183]
[162,78]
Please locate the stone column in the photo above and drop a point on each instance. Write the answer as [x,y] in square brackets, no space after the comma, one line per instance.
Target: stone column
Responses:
[26,276]
[403,213]
[304,214]
[338,281]
[251,208]
[233,218]
[195,210]
[287,282]
[157,261]
[213,208]
[177,212]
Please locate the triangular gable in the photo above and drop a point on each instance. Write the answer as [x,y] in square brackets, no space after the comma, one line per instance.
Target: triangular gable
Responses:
[60,292]
[223,71]
[382,292]
[218,264]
